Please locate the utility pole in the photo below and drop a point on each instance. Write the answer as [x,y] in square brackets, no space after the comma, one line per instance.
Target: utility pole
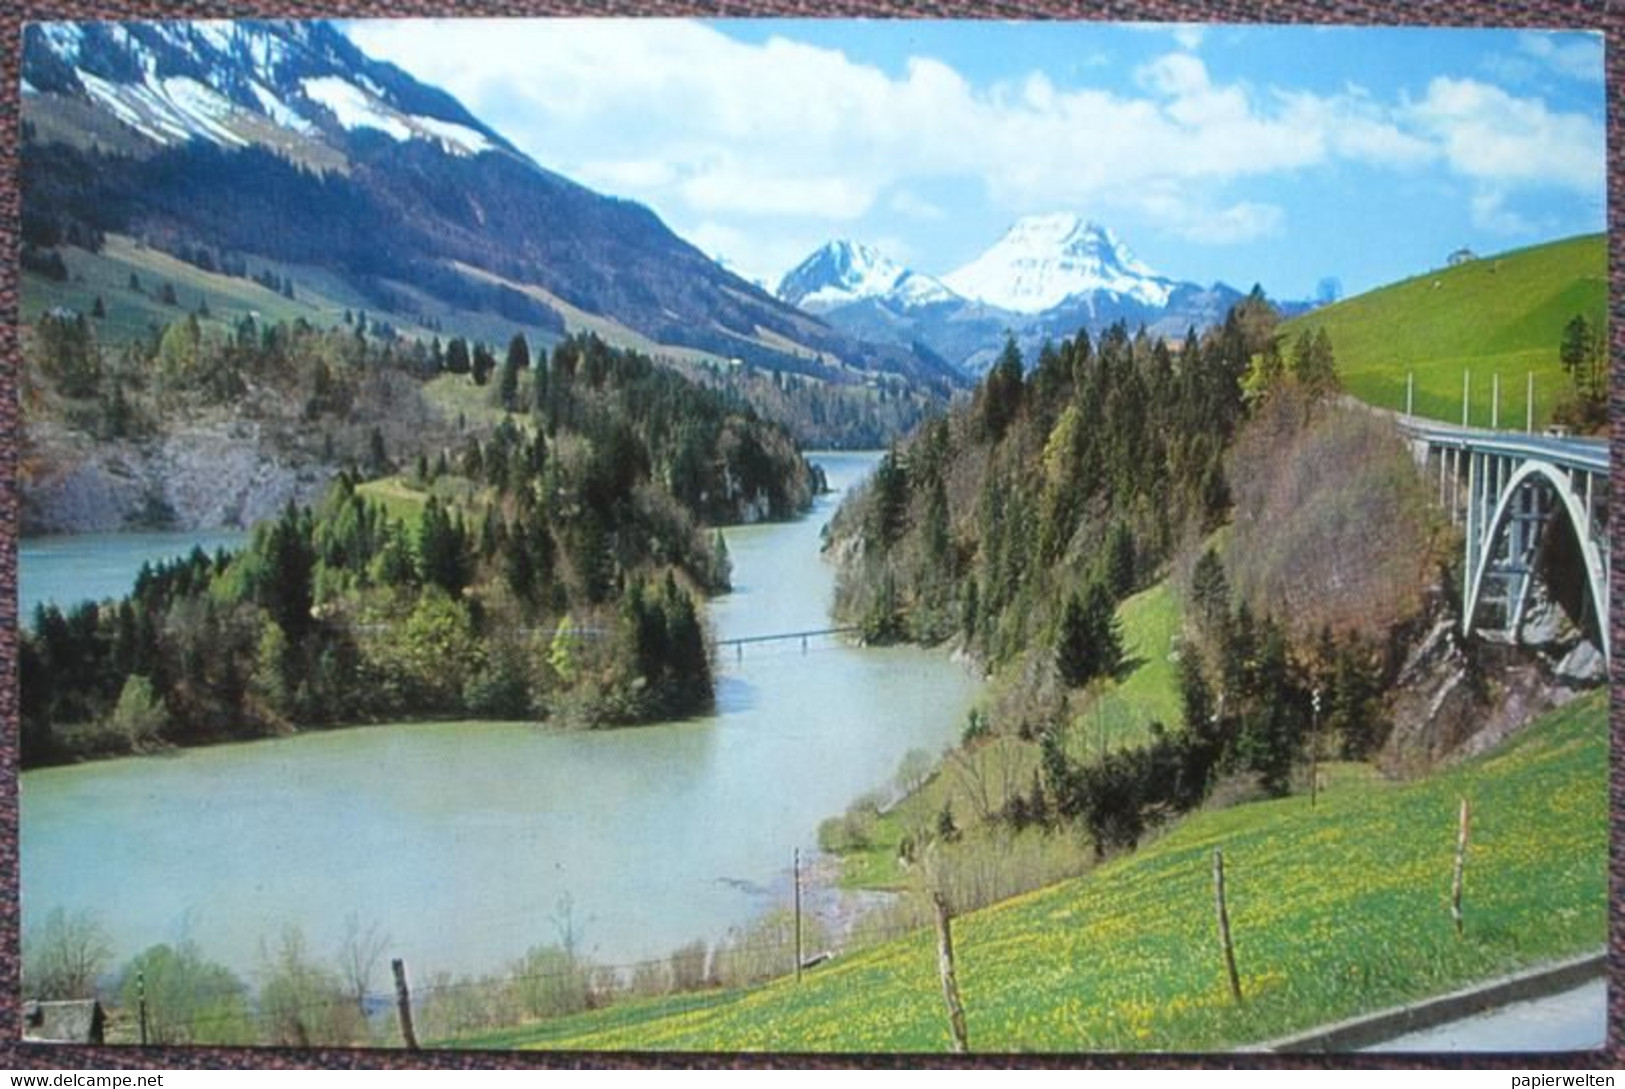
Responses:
[1529,405]
[1495,401]
[1466,387]
[141,1003]
[1410,394]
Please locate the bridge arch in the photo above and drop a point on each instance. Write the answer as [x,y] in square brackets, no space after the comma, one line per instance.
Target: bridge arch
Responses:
[1579,520]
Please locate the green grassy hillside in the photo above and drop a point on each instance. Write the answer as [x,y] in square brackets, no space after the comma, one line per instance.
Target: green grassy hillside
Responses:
[1121,715]
[1336,910]
[1499,315]
[320,297]
[1122,710]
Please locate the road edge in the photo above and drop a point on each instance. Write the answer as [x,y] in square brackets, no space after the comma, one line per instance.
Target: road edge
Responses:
[1375,1028]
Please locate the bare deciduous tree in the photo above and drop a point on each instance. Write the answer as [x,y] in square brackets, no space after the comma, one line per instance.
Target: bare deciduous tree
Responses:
[65,956]
[915,769]
[361,951]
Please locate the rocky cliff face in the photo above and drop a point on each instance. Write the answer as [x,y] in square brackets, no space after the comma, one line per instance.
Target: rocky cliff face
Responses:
[200,477]
[1446,707]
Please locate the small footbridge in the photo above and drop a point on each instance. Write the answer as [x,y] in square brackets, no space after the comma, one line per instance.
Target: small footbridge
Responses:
[739,643]
[1519,495]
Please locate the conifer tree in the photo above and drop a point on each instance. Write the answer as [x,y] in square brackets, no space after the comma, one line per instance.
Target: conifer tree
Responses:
[1074,645]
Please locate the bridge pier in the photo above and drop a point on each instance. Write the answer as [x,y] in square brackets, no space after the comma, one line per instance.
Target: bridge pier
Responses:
[1515,485]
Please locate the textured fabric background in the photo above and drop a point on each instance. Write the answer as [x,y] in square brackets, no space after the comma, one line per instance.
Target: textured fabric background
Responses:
[1605,15]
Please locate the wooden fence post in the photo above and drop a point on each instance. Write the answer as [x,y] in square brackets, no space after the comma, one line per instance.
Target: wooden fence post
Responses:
[796,865]
[1224,924]
[1314,750]
[1461,862]
[945,967]
[403,1004]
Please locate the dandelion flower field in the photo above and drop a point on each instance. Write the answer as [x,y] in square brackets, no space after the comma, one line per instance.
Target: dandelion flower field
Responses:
[1336,910]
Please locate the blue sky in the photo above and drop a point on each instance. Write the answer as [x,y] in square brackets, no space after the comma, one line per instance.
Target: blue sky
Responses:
[1281,155]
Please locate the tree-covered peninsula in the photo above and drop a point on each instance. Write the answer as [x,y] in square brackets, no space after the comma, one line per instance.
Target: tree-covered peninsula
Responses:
[546,556]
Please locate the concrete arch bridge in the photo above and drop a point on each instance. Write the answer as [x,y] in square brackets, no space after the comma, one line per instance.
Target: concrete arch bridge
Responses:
[1521,497]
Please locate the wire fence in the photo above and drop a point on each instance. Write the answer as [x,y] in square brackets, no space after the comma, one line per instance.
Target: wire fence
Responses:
[305,1003]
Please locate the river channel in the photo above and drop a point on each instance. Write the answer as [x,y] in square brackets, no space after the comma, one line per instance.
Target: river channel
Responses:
[461,840]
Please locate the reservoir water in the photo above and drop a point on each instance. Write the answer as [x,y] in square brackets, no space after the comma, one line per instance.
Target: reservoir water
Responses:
[461,839]
[96,566]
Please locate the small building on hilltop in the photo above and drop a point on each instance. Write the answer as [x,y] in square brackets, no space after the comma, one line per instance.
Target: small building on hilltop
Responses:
[1461,257]
[81,1021]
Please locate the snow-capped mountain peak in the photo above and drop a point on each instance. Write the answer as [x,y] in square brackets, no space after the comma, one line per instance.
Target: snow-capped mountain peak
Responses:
[844,271]
[1043,260]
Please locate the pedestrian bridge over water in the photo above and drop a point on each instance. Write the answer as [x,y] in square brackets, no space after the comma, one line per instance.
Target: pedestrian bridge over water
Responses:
[1520,495]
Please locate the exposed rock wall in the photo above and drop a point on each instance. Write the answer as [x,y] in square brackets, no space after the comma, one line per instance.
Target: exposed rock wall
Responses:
[200,477]
[1451,700]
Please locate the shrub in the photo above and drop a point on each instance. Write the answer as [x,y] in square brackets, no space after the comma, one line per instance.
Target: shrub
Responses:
[1332,521]
[189,1000]
[139,714]
[303,1004]
[552,982]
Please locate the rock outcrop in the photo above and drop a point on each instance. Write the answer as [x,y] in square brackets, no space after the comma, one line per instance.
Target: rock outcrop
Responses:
[203,476]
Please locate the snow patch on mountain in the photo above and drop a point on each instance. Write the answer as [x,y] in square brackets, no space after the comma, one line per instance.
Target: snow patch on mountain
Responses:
[457,139]
[139,53]
[266,52]
[217,32]
[177,81]
[1043,260]
[136,106]
[352,107]
[358,109]
[203,107]
[108,94]
[167,111]
[278,110]
[65,39]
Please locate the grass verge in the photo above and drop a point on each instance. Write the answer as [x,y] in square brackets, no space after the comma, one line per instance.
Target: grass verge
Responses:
[1337,910]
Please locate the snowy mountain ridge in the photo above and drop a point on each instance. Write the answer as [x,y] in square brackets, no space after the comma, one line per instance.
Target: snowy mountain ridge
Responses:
[281,141]
[233,83]
[1043,260]
[1047,276]
[843,271]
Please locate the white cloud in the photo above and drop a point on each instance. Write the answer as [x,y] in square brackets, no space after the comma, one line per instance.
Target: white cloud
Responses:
[1577,57]
[1176,75]
[1188,36]
[913,206]
[757,150]
[728,186]
[1238,223]
[1487,134]
[1196,220]
[628,175]
[1356,127]
[1490,213]
[761,257]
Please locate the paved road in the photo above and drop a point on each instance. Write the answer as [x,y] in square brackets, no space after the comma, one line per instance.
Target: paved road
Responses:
[1589,453]
[1582,453]
[1574,1020]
